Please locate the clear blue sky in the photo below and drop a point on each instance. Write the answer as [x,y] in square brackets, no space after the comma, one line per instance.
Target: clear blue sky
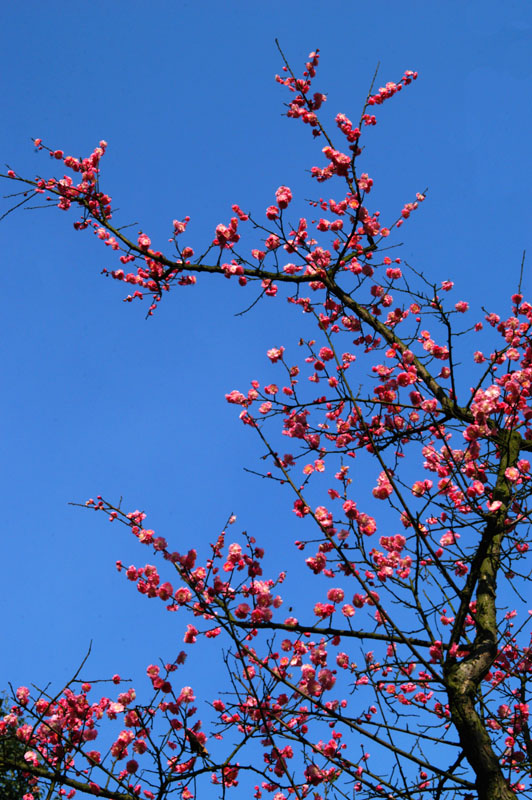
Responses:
[96,400]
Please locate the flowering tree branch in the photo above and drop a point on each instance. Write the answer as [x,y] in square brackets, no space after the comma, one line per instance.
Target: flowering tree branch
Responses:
[419,562]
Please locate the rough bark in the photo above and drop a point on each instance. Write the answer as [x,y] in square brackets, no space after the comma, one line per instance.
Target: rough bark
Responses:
[463,678]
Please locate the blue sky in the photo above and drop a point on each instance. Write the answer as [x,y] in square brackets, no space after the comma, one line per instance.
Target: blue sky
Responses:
[95,399]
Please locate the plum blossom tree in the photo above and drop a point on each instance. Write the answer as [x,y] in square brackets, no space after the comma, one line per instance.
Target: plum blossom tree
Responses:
[406,674]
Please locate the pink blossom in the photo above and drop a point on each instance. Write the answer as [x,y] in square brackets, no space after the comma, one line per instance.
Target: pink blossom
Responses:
[165,591]
[323,610]
[275,354]
[236,397]
[326,354]
[511,474]
[323,517]
[186,695]
[420,487]
[272,242]
[335,595]
[350,509]
[144,241]
[283,195]
[384,488]
[242,611]
[22,695]
[366,524]
[326,679]
[190,635]
[449,538]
